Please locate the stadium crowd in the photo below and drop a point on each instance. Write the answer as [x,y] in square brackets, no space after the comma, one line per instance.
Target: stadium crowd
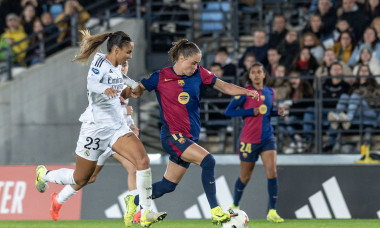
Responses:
[339,38]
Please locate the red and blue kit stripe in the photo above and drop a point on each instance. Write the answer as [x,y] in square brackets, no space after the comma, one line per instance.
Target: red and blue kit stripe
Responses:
[179,99]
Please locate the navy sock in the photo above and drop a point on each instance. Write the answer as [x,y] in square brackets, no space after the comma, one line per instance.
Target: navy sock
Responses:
[239,188]
[273,192]
[208,179]
[159,189]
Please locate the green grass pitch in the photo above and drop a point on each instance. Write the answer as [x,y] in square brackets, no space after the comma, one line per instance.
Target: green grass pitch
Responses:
[290,223]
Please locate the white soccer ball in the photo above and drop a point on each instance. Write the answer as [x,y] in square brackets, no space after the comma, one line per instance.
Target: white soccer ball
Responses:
[239,219]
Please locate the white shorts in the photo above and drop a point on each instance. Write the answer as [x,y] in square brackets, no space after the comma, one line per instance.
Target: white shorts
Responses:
[105,155]
[94,139]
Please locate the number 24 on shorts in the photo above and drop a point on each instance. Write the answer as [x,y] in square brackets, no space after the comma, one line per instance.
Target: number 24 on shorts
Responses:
[245,147]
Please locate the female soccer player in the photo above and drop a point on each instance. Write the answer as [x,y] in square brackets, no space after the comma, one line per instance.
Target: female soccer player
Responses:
[103,126]
[178,93]
[257,136]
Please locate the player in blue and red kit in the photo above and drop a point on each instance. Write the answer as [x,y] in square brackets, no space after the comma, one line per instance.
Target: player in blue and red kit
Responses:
[257,136]
[178,91]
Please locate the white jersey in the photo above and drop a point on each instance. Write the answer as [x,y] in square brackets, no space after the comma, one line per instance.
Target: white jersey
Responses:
[101,109]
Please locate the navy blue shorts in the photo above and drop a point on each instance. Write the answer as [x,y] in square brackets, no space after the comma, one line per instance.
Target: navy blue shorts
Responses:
[249,152]
[175,145]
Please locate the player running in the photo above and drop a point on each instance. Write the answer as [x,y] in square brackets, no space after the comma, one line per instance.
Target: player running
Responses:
[178,93]
[257,136]
[103,126]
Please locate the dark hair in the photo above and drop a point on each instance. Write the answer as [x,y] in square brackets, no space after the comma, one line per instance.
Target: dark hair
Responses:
[250,54]
[371,83]
[374,43]
[222,49]
[246,78]
[90,43]
[336,63]
[183,47]
[214,64]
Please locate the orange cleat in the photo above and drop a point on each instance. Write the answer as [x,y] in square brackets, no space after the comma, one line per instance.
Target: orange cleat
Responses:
[137,217]
[54,207]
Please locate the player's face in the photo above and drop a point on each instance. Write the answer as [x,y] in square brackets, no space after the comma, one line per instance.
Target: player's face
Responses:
[189,65]
[257,74]
[124,54]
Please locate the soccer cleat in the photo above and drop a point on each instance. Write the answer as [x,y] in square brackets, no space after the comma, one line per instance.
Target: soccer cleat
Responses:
[130,210]
[218,216]
[54,207]
[233,206]
[346,120]
[274,217]
[137,217]
[150,217]
[333,118]
[41,184]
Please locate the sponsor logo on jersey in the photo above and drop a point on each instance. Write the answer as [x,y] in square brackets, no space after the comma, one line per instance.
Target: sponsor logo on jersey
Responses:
[181,82]
[263,109]
[96,71]
[181,140]
[183,98]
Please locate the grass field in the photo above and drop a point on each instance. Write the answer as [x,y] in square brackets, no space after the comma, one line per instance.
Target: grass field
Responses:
[290,223]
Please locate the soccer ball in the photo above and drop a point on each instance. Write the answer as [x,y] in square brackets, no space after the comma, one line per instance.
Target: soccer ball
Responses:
[239,219]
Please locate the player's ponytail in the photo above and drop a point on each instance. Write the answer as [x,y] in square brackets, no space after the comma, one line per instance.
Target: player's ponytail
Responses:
[184,47]
[90,43]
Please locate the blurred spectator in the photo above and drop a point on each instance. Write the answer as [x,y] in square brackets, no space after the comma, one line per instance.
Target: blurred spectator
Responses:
[28,16]
[273,61]
[48,22]
[249,59]
[354,15]
[301,94]
[363,101]
[278,31]
[289,48]
[35,55]
[315,26]
[55,7]
[305,63]
[376,25]
[328,59]
[222,57]
[37,5]
[344,47]
[310,41]
[6,7]
[369,39]
[280,84]
[332,89]
[372,9]
[12,35]
[63,20]
[328,15]
[367,57]
[259,49]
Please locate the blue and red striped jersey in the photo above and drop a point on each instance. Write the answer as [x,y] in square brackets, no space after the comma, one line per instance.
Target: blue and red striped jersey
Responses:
[179,99]
[256,129]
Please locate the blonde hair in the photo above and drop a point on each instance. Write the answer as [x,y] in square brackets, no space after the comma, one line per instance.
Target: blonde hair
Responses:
[89,45]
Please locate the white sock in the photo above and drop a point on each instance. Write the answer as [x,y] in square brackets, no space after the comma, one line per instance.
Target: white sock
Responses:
[60,176]
[144,188]
[65,194]
[133,192]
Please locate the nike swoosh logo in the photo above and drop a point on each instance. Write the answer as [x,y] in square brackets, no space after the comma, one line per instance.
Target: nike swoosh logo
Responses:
[219,216]
[211,182]
[166,79]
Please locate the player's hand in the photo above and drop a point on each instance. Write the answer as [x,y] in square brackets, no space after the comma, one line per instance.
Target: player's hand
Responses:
[122,100]
[256,111]
[281,111]
[135,130]
[253,93]
[129,110]
[111,92]
[126,93]
[138,91]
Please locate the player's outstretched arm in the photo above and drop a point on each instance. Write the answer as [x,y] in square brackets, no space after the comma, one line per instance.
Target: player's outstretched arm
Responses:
[138,91]
[234,90]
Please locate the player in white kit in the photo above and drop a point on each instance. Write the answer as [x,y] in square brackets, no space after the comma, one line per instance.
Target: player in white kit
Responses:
[103,126]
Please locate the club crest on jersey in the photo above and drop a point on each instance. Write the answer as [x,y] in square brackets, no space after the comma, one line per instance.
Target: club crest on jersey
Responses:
[183,98]
[245,155]
[87,153]
[96,71]
[181,140]
[181,82]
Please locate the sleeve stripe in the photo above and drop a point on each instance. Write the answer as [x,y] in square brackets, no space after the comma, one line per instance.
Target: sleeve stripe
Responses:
[99,62]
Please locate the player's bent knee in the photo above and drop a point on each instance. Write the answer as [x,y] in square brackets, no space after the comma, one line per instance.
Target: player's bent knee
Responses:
[82,182]
[143,163]
[208,162]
